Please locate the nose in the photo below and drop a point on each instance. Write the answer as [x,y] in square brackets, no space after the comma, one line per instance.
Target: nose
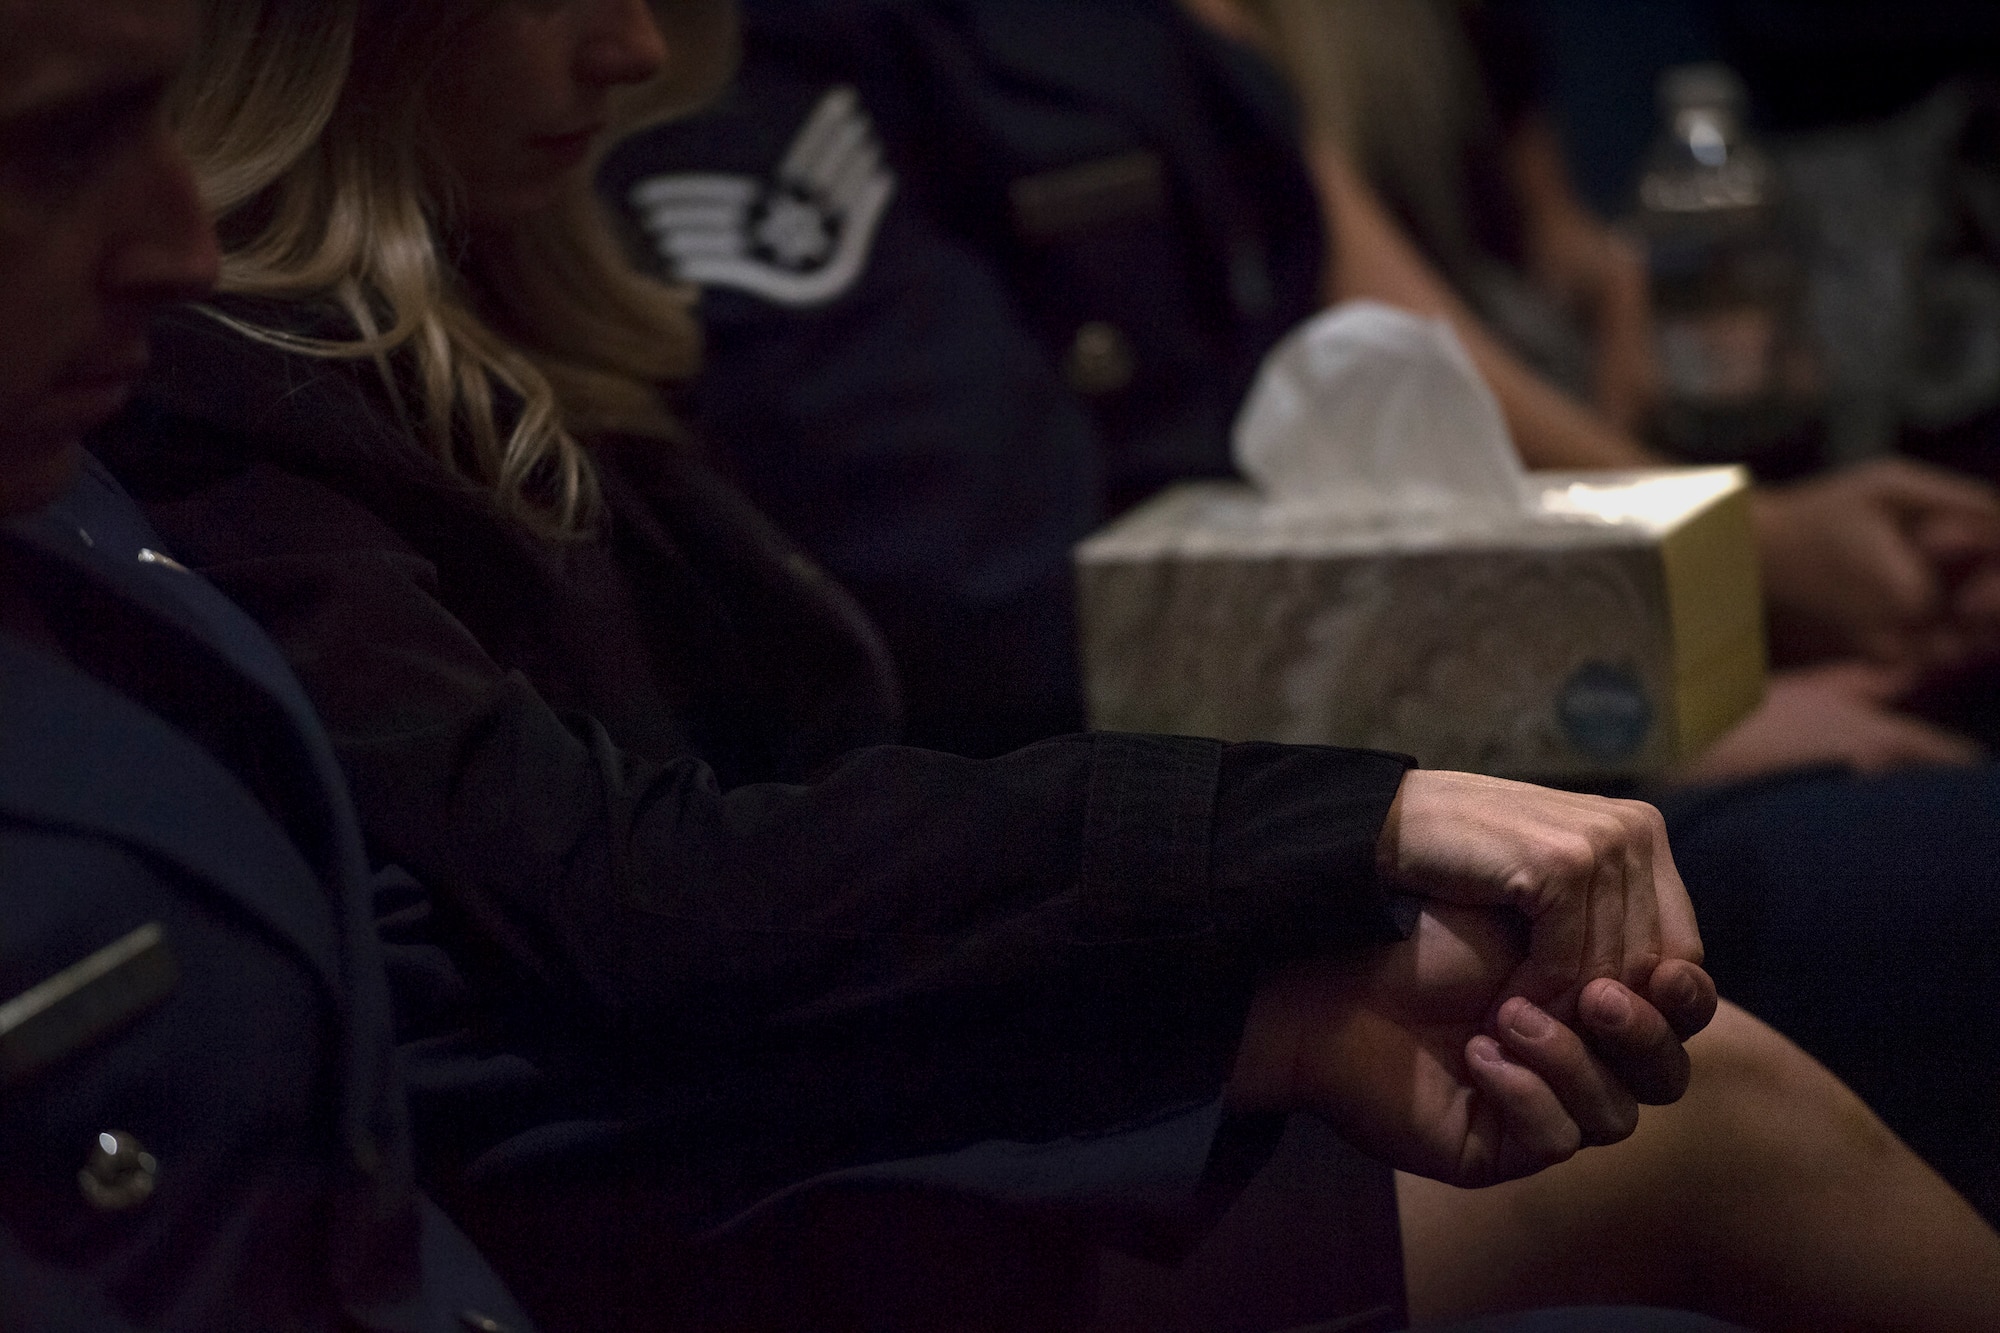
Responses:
[165,249]
[623,45]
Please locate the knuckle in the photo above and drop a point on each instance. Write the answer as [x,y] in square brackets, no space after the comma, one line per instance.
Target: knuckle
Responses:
[1646,817]
[1568,853]
[1608,831]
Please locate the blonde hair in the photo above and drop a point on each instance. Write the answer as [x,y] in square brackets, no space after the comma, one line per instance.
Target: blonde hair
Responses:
[299,119]
[1396,85]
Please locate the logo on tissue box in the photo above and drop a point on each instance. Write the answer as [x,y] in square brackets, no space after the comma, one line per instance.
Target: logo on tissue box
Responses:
[1605,711]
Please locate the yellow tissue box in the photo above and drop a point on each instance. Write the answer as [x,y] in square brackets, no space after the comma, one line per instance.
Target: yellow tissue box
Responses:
[1612,629]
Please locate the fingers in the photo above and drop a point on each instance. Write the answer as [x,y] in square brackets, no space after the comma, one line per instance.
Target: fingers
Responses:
[1635,1041]
[1977,601]
[1908,742]
[1524,1126]
[1907,589]
[1594,877]
[1873,738]
[1602,1109]
[1677,934]
[1548,1092]
[1613,905]
[1866,554]
[1870,682]
[1576,912]
[1954,537]
[1840,565]
[1604,952]
[1922,490]
[1685,996]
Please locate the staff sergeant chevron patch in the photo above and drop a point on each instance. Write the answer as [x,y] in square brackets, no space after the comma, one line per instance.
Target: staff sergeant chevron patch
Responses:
[800,238]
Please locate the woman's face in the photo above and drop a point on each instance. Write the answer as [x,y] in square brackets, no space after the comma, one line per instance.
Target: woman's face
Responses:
[519,102]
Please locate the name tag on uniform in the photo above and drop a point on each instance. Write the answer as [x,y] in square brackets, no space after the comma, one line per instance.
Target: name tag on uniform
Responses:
[85,1002]
[1053,204]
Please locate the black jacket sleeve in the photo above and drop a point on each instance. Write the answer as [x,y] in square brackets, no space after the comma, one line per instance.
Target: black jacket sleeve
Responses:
[1066,936]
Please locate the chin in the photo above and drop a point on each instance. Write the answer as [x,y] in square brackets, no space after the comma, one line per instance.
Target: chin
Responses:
[501,208]
[34,475]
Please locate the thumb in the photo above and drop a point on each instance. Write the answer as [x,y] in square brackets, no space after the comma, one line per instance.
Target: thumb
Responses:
[1908,742]
[1870,681]
[1908,584]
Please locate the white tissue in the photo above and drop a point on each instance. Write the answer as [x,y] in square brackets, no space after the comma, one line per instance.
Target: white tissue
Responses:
[1367,411]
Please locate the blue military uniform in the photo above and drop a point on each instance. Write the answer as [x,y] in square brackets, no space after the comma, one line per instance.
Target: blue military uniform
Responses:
[976,274]
[201,1121]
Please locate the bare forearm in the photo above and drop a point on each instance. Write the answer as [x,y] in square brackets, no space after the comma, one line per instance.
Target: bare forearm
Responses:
[1373,260]
[1551,429]
[1589,268]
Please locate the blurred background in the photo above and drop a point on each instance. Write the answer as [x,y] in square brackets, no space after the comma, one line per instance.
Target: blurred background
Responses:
[1816,184]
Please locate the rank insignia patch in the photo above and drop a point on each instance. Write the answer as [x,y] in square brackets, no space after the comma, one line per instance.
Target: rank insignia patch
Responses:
[800,238]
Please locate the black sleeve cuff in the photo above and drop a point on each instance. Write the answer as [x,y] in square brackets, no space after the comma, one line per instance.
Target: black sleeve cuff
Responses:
[1292,856]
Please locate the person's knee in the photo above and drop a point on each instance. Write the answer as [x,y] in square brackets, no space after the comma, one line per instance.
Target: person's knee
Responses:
[1762,1104]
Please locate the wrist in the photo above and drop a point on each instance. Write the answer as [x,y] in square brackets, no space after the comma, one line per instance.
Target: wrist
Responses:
[1388,842]
[1262,1078]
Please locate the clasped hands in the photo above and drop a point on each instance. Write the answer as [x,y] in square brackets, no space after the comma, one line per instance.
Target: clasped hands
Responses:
[1883,578]
[1547,989]
[1890,560]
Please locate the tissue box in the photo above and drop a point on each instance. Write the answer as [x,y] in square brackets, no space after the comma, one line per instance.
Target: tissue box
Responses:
[1611,631]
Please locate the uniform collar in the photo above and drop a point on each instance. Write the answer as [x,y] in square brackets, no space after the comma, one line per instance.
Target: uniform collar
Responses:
[77,753]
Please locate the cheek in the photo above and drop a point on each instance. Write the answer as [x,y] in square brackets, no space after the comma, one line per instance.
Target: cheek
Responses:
[48,297]
[503,80]
[51,308]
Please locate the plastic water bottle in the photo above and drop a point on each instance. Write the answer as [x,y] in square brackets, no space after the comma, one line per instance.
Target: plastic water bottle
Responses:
[1740,380]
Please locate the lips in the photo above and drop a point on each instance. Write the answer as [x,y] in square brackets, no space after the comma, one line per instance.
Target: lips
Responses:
[571,147]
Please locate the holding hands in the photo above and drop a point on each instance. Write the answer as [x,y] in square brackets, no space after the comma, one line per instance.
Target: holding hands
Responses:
[1555,968]
[1883,578]
[1593,878]
[1890,560]
[1545,993]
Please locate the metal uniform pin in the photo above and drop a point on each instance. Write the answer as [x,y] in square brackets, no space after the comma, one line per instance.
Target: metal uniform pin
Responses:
[120,1174]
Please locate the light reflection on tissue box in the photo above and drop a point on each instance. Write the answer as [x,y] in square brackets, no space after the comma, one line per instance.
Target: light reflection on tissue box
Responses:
[1616,631]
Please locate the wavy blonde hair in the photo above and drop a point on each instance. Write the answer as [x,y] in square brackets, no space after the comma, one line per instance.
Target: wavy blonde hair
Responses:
[1396,85]
[304,121]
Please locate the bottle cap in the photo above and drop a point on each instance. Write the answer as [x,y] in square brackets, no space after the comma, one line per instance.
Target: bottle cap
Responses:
[1711,85]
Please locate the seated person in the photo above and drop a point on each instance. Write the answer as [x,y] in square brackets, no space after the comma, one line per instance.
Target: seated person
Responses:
[939,414]
[610,721]
[1437,106]
[201,1122]
[1874,866]
[1044,300]
[1421,123]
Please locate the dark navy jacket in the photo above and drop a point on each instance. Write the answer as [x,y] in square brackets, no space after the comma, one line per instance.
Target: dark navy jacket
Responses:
[976,275]
[243,1065]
